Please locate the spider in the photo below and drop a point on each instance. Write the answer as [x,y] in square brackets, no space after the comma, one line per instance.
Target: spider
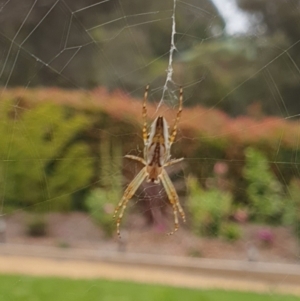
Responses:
[157,146]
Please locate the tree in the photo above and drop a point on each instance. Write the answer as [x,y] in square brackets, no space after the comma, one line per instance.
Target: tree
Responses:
[280,18]
[76,43]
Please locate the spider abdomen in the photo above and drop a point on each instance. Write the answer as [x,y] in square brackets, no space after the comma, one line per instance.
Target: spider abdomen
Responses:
[158,142]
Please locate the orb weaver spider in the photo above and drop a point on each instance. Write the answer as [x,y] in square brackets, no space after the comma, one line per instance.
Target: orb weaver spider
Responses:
[157,146]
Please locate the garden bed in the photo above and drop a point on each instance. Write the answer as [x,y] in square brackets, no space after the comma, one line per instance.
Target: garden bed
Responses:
[77,230]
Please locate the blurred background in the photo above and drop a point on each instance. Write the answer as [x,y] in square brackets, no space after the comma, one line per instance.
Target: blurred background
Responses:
[72,79]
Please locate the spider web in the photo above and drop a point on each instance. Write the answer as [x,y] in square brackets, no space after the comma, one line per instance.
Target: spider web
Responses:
[114,50]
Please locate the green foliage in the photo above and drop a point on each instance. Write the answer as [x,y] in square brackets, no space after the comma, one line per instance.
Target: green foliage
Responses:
[229,62]
[231,232]
[111,163]
[233,68]
[213,59]
[100,206]
[44,161]
[36,225]
[279,21]
[143,44]
[102,201]
[292,207]
[195,253]
[264,191]
[282,17]
[63,244]
[208,208]
[41,164]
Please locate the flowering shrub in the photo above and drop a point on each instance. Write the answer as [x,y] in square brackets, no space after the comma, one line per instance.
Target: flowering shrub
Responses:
[53,124]
[266,237]
[241,215]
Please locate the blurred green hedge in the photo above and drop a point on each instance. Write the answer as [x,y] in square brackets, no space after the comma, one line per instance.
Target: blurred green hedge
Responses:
[51,155]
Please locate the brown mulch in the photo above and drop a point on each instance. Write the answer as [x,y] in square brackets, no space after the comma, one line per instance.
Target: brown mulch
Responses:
[77,230]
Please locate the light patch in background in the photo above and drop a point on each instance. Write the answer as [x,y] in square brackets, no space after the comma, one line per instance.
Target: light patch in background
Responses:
[236,20]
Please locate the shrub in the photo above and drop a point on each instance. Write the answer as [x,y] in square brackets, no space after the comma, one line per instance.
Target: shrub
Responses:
[231,232]
[102,201]
[46,165]
[36,226]
[195,253]
[100,204]
[241,214]
[264,191]
[208,208]
[292,207]
[44,159]
[63,244]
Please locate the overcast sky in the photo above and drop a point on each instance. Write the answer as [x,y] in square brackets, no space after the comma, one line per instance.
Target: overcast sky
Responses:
[236,20]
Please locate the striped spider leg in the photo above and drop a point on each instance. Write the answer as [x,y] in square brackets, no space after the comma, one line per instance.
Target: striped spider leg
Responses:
[157,146]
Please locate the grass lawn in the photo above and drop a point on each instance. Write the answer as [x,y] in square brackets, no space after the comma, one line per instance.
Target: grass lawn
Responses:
[16,287]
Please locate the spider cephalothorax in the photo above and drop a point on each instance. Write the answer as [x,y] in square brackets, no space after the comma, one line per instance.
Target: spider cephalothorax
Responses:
[157,145]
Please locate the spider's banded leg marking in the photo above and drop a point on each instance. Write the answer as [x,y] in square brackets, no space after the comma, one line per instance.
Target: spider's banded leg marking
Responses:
[139,159]
[173,161]
[175,220]
[173,198]
[129,192]
[145,133]
[166,179]
[174,131]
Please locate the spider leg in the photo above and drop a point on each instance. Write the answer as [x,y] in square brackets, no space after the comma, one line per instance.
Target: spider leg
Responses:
[174,131]
[141,160]
[173,198]
[173,161]
[145,133]
[129,192]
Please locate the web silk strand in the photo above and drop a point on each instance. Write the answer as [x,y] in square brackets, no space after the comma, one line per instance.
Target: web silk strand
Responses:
[172,48]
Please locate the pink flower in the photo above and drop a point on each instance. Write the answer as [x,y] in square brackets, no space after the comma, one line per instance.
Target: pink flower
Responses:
[266,236]
[220,168]
[241,215]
